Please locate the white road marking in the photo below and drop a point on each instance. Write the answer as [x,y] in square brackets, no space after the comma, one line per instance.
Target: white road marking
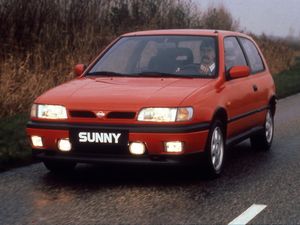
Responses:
[248,215]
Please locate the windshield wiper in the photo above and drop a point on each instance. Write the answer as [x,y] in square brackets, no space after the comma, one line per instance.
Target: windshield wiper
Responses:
[141,74]
[106,73]
[161,74]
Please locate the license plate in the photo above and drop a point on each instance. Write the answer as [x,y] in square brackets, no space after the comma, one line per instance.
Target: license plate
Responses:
[96,137]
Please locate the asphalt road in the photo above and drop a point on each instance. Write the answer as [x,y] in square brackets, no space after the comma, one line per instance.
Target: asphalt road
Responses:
[165,195]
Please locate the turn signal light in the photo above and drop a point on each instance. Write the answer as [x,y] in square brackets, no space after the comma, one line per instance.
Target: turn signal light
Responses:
[174,146]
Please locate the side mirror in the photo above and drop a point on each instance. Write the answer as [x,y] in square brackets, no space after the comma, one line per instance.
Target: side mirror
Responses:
[79,69]
[239,71]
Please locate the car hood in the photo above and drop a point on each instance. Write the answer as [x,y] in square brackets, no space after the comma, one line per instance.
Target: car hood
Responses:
[122,93]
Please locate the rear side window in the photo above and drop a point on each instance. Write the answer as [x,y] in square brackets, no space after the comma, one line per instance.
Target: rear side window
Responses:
[234,55]
[256,63]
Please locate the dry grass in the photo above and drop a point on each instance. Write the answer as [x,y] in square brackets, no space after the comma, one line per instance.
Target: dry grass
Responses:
[41,40]
[279,55]
[20,83]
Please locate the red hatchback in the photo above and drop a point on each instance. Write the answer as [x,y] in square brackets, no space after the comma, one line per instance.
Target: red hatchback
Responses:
[158,97]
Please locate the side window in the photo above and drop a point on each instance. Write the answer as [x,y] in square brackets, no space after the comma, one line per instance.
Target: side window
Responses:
[234,55]
[256,63]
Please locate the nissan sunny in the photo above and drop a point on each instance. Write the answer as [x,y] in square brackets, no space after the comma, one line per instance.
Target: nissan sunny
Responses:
[158,97]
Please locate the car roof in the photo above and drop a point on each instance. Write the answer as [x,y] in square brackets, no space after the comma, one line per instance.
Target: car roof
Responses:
[185,32]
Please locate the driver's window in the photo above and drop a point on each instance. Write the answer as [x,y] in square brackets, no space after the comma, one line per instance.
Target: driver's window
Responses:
[234,55]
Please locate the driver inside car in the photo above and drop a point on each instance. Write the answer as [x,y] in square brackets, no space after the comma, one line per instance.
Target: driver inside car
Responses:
[208,59]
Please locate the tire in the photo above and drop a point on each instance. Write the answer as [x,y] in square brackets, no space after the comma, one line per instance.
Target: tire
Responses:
[59,166]
[215,150]
[263,140]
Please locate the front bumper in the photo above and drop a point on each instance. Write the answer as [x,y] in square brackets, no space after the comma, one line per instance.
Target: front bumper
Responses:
[153,136]
[157,160]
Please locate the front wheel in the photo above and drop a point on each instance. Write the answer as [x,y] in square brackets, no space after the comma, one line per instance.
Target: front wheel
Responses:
[263,140]
[59,166]
[215,149]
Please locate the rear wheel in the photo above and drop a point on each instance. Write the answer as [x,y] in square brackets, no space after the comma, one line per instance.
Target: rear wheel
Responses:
[263,140]
[59,166]
[215,149]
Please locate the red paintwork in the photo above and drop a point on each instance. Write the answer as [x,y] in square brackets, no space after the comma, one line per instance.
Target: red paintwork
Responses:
[107,94]
[120,93]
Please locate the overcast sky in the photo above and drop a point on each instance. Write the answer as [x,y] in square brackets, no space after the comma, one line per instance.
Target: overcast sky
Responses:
[273,17]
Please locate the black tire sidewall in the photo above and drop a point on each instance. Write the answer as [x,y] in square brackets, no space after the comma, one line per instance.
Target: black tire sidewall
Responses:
[259,141]
[272,118]
[208,160]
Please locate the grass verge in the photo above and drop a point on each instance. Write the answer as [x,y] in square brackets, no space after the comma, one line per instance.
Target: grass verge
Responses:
[15,150]
[288,82]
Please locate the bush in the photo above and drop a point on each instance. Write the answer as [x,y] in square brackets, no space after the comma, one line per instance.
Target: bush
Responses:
[14,149]
[279,55]
[219,18]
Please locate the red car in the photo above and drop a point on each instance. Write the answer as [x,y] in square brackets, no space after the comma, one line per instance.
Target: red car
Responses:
[158,97]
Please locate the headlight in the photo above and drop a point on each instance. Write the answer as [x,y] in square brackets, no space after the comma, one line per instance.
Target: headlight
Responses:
[166,114]
[49,111]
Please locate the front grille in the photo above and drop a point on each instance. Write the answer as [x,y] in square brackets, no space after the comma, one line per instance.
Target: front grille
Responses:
[121,115]
[111,115]
[82,114]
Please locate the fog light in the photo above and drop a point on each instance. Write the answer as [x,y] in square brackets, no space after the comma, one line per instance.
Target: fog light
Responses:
[137,148]
[174,146]
[64,145]
[37,141]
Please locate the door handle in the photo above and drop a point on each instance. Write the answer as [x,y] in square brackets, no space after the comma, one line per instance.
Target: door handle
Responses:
[254,87]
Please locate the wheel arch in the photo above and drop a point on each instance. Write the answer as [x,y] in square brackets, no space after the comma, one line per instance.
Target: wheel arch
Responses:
[272,104]
[221,114]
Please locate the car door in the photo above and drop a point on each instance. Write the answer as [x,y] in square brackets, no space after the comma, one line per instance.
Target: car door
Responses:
[238,91]
[259,79]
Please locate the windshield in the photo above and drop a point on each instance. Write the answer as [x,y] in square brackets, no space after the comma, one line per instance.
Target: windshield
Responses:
[165,56]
